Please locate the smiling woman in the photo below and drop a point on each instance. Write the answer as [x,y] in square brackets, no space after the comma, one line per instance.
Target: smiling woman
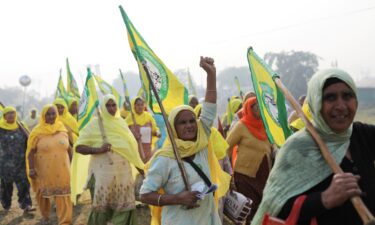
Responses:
[301,170]
[181,206]
[339,105]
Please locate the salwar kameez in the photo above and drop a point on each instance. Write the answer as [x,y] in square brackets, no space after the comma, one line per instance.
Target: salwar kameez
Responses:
[112,189]
[53,176]
[12,168]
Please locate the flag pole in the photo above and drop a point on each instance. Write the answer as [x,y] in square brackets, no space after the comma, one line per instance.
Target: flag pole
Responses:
[141,151]
[357,202]
[102,131]
[24,130]
[169,128]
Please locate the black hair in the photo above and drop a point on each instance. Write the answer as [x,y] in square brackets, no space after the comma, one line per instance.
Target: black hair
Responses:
[332,80]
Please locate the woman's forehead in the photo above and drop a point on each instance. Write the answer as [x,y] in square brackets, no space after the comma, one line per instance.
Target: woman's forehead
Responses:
[183,114]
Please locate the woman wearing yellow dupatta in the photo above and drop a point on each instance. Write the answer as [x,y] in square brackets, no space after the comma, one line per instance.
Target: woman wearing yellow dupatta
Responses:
[112,186]
[12,161]
[48,162]
[145,129]
[73,106]
[191,136]
[67,119]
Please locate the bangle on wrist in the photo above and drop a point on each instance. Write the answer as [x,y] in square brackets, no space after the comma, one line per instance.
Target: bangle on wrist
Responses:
[159,199]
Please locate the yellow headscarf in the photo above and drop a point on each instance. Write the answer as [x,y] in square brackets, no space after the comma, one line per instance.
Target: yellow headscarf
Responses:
[119,136]
[71,100]
[67,119]
[189,148]
[4,124]
[43,129]
[141,119]
[117,131]
[232,108]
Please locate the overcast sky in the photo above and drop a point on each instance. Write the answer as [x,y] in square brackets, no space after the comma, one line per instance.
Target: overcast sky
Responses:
[36,36]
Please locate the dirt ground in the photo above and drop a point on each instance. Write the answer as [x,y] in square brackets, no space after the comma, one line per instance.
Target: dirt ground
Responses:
[15,215]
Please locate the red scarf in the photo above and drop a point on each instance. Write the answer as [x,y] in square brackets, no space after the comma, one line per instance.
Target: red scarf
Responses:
[254,125]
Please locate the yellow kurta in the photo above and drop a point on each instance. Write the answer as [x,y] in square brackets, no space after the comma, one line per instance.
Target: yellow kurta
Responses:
[52,165]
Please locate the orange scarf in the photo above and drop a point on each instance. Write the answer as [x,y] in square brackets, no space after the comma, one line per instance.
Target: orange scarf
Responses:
[254,125]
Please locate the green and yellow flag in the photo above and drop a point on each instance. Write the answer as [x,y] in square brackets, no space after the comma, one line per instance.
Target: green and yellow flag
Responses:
[1,110]
[71,86]
[191,84]
[106,88]
[126,92]
[88,102]
[171,91]
[237,82]
[270,99]
[60,91]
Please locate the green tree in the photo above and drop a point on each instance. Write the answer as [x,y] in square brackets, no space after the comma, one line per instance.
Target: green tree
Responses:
[295,69]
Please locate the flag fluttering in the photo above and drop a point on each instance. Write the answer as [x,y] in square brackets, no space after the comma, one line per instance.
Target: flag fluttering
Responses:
[88,102]
[106,88]
[237,82]
[270,99]
[191,84]
[171,91]
[126,92]
[61,91]
[71,86]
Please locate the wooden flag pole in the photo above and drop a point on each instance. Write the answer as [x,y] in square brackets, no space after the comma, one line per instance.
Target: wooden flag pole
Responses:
[364,213]
[140,147]
[102,131]
[169,129]
[24,130]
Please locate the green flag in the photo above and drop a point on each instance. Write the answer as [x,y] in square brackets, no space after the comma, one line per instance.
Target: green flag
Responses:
[88,101]
[270,99]
[72,87]
[237,82]
[106,88]
[61,91]
[171,91]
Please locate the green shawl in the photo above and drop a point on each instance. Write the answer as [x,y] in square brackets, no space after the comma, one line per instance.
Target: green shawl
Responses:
[299,164]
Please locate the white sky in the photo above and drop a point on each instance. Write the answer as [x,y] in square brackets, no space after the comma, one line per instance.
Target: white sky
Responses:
[36,36]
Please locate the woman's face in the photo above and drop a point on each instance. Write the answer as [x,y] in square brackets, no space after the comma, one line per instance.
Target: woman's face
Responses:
[73,108]
[111,107]
[339,105]
[193,102]
[255,110]
[139,106]
[186,125]
[51,115]
[10,117]
[60,108]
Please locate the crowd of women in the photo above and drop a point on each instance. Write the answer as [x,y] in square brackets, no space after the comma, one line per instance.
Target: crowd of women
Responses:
[62,164]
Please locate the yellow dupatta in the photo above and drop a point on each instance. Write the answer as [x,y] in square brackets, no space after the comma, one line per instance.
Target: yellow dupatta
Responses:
[189,148]
[67,119]
[42,129]
[119,136]
[140,119]
[71,100]
[4,124]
